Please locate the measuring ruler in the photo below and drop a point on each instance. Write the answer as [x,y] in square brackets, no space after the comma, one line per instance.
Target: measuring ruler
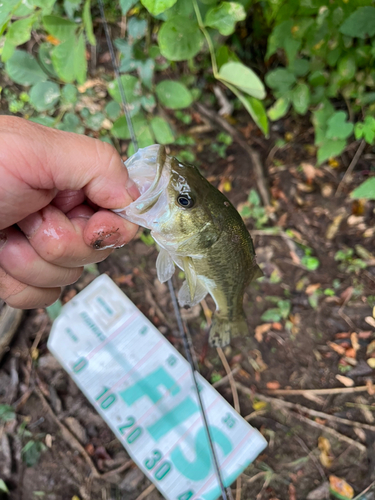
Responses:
[143,388]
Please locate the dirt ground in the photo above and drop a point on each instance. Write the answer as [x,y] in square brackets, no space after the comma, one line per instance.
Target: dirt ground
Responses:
[317,332]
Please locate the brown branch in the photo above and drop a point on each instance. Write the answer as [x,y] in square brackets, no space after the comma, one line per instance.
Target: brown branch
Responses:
[302,392]
[351,167]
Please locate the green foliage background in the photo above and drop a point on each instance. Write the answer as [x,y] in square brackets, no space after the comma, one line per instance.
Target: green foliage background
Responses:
[315,57]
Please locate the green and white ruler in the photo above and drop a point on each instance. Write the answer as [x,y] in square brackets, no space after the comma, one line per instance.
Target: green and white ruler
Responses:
[143,388]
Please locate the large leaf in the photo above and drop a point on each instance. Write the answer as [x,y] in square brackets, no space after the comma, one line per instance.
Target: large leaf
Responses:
[87,22]
[280,79]
[156,7]
[254,107]
[142,131]
[243,78]
[278,36]
[80,62]
[44,95]
[329,148]
[225,16]
[338,127]
[146,72]
[126,5]
[173,95]
[301,98]
[279,109]
[19,32]
[180,39]
[63,59]
[136,29]
[60,28]
[162,131]
[361,23]
[23,69]
[45,59]
[131,87]
[365,190]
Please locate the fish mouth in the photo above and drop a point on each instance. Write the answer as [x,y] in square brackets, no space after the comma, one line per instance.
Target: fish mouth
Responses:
[149,168]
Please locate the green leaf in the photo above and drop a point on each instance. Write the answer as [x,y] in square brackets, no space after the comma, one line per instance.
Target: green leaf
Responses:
[162,130]
[224,54]
[366,129]
[113,110]
[180,39]
[279,109]
[300,67]
[347,68]
[311,263]
[31,452]
[361,23]
[94,121]
[3,487]
[87,22]
[126,5]
[80,62]
[365,190]
[301,98]
[136,29]
[242,77]
[225,16]
[45,59]
[60,28]
[280,79]
[146,72]
[278,36]
[6,413]
[338,127]
[45,5]
[19,32]
[8,50]
[148,102]
[329,148]
[23,69]
[63,60]
[47,121]
[132,89]
[173,95]
[271,315]
[69,94]
[71,123]
[44,95]
[255,108]
[156,7]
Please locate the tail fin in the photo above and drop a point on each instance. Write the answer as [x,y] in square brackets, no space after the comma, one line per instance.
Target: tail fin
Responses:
[222,329]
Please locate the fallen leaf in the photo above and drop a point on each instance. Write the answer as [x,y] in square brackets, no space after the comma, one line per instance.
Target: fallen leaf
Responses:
[277,326]
[324,444]
[325,456]
[292,492]
[347,381]
[320,421]
[337,348]
[342,335]
[312,288]
[370,387]
[370,321]
[260,330]
[334,227]
[347,293]
[370,348]
[365,334]
[371,362]
[48,440]
[350,353]
[310,171]
[259,405]
[340,488]
[274,385]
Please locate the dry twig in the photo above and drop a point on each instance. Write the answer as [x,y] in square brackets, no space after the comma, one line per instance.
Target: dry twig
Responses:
[302,392]
[147,491]
[351,167]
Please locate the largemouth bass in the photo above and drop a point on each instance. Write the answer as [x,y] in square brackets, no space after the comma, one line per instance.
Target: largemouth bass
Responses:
[197,229]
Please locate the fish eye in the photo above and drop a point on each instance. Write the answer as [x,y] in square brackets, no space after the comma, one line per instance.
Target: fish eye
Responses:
[185,201]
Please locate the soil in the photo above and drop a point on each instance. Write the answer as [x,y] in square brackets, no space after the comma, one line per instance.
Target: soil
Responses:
[306,348]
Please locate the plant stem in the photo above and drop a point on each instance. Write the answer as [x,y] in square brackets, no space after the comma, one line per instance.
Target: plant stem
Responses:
[208,39]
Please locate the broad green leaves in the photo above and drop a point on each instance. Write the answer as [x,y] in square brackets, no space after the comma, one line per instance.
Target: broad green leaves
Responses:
[131,88]
[23,69]
[279,109]
[338,127]
[162,130]
[280,79]
[59,28]
[87,22]
[173,95]
[225,16]
[156,7]
[301,98]
[366,130]
[361,23]
[180,39]
[365,190]
[18,33]
[242,77]
[44,95]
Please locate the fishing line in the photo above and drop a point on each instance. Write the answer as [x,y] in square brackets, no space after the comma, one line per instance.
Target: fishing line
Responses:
[183,335]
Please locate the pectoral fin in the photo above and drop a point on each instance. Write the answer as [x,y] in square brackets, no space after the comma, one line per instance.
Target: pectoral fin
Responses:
[184,297]
[164,266]
[191,275]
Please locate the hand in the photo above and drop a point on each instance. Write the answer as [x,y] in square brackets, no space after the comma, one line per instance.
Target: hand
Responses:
[55,191]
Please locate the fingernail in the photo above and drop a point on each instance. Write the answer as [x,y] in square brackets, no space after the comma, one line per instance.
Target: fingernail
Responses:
[3,239]
[31,224]
[132,189]
[106,241]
